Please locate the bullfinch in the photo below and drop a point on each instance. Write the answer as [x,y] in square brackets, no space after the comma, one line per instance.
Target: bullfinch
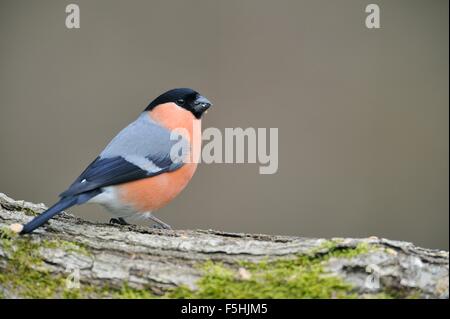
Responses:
[139,172]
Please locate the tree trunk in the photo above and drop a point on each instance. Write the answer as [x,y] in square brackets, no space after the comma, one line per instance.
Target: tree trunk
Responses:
[71,257]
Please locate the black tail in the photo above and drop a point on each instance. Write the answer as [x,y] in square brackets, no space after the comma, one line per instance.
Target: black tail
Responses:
[64,203]
[49,213]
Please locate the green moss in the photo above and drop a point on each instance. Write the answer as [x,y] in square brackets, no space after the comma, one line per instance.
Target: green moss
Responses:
[333,248]
[67,246]
[403,293]
[29,211]
[301,277]
[127,292]
[25,277]
[22,274]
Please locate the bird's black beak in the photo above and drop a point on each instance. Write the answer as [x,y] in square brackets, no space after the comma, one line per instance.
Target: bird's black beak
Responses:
[201,105]
[203,102]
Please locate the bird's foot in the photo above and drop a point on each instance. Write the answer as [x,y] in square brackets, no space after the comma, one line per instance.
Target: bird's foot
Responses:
[158,223]
[159,226]
[118,221]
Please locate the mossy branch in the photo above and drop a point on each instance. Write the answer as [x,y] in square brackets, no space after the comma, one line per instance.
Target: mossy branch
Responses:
[73,258]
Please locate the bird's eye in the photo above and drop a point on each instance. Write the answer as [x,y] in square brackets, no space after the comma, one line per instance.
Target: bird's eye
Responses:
[180,102]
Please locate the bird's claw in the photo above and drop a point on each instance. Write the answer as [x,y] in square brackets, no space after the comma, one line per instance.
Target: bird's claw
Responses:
[118,221]
[161,226]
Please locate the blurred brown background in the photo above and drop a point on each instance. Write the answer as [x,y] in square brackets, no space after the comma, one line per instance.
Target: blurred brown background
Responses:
[362,114]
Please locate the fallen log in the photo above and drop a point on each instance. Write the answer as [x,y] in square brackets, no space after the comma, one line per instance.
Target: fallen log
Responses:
[73,258]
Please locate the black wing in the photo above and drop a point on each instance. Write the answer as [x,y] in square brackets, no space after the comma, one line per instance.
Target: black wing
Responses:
[111,171]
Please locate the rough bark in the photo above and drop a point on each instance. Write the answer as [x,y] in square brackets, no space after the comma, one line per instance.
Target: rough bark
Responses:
[161,259]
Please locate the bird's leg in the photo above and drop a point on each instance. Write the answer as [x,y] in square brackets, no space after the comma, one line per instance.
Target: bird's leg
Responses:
[119,221]
[159,222]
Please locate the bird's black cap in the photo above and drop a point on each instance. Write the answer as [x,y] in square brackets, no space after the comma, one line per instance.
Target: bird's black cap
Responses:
[184,97]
